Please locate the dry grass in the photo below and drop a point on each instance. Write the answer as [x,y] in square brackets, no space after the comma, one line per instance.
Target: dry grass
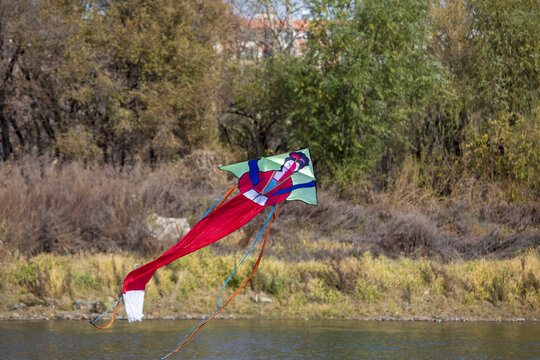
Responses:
[67,208]
[48,207]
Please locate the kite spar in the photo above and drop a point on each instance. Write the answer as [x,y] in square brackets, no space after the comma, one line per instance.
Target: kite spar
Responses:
[262,182]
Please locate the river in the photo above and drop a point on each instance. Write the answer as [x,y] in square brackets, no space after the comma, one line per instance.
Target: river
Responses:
[271,339]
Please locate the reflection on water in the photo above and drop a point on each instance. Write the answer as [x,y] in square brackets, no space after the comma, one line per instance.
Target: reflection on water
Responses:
[271,339]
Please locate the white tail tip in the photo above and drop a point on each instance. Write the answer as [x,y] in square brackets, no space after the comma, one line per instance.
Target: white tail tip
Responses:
[134,301]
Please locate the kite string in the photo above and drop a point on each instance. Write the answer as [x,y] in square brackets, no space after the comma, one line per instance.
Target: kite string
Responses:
[115,306]
[220,201]
[245,256]
[197,327]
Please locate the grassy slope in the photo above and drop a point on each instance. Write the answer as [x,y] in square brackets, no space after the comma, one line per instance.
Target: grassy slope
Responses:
[352,287]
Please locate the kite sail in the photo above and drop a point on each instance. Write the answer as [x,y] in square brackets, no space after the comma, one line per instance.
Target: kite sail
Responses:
[263,182]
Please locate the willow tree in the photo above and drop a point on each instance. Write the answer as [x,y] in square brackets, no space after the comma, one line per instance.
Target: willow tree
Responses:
[366,73]
[486,122]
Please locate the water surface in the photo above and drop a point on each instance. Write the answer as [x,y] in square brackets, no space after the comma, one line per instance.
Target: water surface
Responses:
[270,339]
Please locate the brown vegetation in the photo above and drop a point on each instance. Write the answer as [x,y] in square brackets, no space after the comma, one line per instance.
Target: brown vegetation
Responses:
[65,208]
[47,206]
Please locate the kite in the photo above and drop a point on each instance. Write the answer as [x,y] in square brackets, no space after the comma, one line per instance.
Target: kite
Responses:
[263,182]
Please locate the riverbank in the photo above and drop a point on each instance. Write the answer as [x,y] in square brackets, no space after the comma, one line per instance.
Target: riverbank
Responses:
[80,287]
[77,316]
[69,233]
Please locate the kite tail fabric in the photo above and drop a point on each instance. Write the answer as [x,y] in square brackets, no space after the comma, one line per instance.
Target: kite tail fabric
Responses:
[219,223]
[197,327]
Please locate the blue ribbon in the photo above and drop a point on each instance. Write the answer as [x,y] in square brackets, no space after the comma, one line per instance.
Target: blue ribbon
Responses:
[112,307]
[227,281]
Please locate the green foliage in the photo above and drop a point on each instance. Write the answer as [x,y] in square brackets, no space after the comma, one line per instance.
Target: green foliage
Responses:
[507,149]
[27,274]
[86,281]
[504,68]
[451,84]
[257,119]
[274,285]
[505,63]
[77,144]
[367,291]
[481,123]
[366,73]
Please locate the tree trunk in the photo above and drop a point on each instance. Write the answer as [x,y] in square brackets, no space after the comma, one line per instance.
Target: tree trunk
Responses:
[7,148]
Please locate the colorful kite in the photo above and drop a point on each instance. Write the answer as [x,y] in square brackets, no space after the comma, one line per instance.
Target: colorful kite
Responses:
[263,182]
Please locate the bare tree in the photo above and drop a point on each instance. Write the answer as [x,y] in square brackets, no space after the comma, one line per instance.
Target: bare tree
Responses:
[268,27]
[269,36]
[10,52]
[30,41]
